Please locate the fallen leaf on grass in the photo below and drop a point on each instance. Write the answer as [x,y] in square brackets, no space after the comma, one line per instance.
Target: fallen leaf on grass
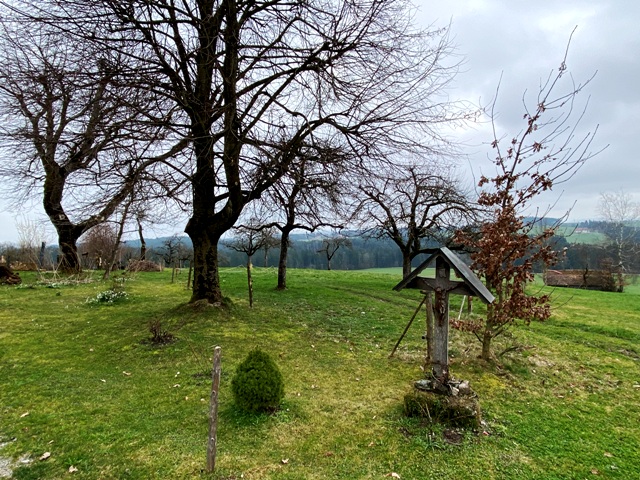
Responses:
[595,471]
[328,454]
[72,469]
[128,374]
[392,475]
[285,461]
[44,456]
[24,414]
[607,454]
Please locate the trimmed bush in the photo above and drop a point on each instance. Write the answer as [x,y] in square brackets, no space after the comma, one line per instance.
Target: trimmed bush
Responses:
[257,385]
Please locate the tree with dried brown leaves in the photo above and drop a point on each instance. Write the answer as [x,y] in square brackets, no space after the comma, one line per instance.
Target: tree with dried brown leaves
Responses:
[506,246]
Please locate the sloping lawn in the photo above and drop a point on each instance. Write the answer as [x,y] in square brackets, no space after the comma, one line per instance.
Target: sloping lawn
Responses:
[81,382]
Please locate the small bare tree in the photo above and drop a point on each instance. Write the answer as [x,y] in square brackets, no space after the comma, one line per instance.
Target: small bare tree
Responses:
[248,239]
[31,241]
[98,245]
[307,197]
[621,213]
[331,245]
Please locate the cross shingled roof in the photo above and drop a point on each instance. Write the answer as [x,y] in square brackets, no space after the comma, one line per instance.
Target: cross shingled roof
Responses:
[469,278]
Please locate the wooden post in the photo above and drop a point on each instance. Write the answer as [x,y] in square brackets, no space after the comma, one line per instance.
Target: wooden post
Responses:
[429,296]
[440,360]
[213,412]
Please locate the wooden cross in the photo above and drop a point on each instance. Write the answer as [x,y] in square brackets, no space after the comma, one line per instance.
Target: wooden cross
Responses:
[442,286]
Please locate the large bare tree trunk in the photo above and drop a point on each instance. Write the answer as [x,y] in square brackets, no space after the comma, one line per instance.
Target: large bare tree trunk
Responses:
[406,265]
[143,243]
[207,225]
[68,261]
[282,261]
[206,277]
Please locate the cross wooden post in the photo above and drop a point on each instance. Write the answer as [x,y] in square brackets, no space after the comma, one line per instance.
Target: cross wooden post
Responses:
[440,360]
[442,285]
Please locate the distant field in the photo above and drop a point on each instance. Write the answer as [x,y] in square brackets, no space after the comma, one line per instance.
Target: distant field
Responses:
[390,271]
[573,236]
[83,389]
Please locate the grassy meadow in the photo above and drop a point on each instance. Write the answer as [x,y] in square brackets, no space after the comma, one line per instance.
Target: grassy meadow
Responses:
[84,394]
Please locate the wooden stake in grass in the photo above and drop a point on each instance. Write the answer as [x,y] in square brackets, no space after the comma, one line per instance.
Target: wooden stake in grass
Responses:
[213,412]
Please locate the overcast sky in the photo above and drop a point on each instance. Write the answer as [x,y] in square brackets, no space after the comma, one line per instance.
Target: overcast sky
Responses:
[522,42]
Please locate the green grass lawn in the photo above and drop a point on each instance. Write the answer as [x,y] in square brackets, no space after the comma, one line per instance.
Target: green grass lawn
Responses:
[80,381]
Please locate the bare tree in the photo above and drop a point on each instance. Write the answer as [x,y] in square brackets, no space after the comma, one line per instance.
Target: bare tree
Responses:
[506,247]
[620,212]
[306,198]
[413,205]
[73,132]
[120,230]
[248,239]
[331,245]
[269,240]
[98,245]
[31,241]
[173,250]
[256,75]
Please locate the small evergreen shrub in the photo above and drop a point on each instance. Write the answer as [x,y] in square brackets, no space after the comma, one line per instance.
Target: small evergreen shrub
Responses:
[257,385]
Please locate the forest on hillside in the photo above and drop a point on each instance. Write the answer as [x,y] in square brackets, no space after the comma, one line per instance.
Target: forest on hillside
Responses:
[308,251]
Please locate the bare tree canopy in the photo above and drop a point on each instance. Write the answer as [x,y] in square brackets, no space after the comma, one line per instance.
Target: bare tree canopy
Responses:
[620,213]
[250,76]
[307,197]
[73,130]
[331,245]
[412,205]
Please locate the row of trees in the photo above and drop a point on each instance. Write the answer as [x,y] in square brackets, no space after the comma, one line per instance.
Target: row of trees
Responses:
[109,107]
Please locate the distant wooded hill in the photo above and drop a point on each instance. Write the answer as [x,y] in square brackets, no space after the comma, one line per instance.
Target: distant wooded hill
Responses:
[584,244]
